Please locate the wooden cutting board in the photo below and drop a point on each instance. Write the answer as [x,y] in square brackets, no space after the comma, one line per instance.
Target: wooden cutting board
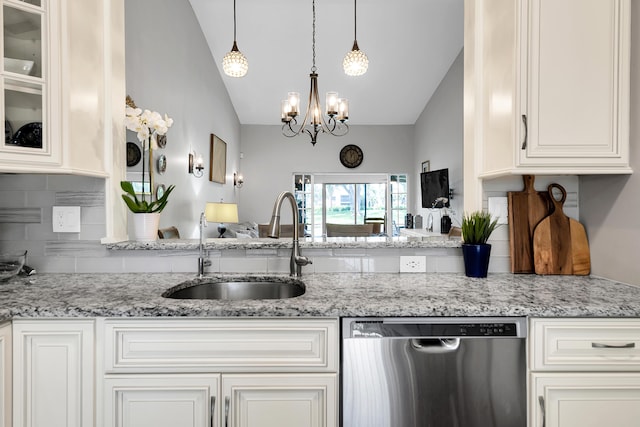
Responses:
[560,243]
[526,209]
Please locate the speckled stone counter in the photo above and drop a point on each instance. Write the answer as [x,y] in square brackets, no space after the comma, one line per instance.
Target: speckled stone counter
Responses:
[327,295]
[307,242]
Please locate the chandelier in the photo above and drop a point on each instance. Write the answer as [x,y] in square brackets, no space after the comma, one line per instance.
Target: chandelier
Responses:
[234,63]
[314,122]
[355,63]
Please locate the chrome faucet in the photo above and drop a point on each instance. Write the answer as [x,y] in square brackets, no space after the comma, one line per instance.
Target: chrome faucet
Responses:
[297,260]
[202,263]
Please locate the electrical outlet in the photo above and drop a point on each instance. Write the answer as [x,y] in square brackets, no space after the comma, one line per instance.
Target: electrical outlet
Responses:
[66,219]
[413,264]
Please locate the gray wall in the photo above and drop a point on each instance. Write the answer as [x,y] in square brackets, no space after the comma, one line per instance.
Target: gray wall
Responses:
[609,205]
[171,71]
[269,159]
[439,139]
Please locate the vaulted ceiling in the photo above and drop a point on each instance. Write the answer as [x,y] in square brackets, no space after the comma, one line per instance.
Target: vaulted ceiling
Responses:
[410,44]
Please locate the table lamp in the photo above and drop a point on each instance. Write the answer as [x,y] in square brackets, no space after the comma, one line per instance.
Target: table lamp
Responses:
[221,213]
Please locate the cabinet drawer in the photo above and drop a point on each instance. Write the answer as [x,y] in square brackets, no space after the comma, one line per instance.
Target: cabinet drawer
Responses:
[221,345]
[585,344]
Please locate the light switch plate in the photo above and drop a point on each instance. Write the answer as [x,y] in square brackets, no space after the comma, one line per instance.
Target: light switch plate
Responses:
[66,219]
[499,208]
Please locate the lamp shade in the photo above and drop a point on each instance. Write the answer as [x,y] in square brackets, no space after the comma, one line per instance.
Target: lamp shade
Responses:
[221,212]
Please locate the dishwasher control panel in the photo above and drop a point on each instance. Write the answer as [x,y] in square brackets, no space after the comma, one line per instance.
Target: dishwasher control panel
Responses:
[487,330]
[441,328]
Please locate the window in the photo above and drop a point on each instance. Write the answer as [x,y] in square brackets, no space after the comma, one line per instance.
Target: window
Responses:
[399,193]
[351,199]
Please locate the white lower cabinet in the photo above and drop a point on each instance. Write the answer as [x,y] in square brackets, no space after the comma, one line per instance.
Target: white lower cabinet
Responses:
[220,372]
[584,373]
[586,400]
[5,374]
[247,400]
[53,373]
[162,400]
[286,400]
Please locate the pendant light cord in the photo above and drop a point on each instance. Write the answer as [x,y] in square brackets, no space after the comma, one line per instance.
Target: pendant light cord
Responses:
[234,21]
[313,38]
[355,20]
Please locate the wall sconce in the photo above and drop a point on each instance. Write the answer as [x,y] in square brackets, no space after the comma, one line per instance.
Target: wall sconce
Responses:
[196,165]
[238,180]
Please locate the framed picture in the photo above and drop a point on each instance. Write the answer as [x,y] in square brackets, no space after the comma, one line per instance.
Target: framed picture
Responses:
[217,160]
[426,166]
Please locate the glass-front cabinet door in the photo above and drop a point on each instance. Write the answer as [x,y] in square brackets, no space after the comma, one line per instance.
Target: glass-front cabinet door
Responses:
[25,79]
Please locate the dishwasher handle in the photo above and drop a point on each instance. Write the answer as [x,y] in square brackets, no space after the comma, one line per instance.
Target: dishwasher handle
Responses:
[435,345]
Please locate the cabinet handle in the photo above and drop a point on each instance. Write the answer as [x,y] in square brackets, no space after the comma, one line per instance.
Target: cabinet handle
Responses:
[600,345]
[226,411]
[526,131]
[213,409]
[544,414]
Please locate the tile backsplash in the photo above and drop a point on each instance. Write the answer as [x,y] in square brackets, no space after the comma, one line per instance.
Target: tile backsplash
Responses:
[26,202]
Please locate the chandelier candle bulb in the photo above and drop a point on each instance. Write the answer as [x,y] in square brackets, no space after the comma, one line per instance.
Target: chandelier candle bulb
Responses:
[343,109]
[294,101]
[316,116]
[332,103]
[286,111]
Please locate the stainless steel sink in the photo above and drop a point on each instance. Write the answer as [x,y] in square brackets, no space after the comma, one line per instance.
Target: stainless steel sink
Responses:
[244,288]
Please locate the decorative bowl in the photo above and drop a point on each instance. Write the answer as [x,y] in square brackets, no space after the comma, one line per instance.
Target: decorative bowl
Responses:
[11,264]
[18,66]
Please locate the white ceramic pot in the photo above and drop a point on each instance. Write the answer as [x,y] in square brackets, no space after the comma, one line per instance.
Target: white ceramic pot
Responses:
[145,226]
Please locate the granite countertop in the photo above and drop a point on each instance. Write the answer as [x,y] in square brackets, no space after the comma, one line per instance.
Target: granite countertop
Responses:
[327,295]
[441,241]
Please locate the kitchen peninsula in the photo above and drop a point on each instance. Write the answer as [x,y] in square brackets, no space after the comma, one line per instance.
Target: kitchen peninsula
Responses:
[327,295]
[102,343]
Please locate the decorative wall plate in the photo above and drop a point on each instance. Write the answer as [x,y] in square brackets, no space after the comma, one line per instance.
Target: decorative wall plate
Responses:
[160,191]
[133,154]
[162,164]
[162,141]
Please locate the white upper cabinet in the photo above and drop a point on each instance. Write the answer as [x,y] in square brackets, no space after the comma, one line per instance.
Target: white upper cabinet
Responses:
[555,86]
[29,91]
[60,70]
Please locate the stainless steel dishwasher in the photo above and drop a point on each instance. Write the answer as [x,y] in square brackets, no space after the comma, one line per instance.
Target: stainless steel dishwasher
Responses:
[434,372]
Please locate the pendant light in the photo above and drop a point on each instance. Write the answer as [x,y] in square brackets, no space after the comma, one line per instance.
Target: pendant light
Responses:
[314,121]
[234,62]
[355,63]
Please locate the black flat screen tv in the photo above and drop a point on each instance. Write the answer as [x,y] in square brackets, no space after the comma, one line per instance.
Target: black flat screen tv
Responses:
[434,186]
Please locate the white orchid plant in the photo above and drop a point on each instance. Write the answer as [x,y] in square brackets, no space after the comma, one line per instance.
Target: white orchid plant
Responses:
[147,124]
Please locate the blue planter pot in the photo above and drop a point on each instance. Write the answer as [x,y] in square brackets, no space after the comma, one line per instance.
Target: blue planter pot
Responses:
[476,259]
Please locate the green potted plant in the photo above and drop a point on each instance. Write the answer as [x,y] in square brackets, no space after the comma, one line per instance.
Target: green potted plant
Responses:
[476,228]
[146,214]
